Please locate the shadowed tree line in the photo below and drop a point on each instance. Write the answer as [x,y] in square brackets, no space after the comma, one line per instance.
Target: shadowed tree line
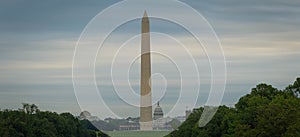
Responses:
[31,122]
[265,112]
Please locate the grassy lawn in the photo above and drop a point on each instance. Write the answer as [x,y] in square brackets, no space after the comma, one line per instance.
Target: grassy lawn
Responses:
[137,133]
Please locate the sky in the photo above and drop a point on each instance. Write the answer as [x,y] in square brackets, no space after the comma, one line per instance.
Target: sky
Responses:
[260,40]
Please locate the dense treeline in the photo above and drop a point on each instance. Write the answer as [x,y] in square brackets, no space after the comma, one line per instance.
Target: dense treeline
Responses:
[30,122]
[265,112]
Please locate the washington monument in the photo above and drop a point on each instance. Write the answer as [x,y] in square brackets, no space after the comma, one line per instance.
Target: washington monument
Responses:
[146,97]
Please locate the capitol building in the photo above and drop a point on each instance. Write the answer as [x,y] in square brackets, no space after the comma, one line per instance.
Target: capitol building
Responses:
[159,122]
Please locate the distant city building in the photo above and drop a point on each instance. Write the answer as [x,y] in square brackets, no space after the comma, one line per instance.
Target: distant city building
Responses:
[129,127]
[158,112]
[187,113]
[133,124]
[84,114]
[87,115]
[158,116]
[181,119]
[159,122]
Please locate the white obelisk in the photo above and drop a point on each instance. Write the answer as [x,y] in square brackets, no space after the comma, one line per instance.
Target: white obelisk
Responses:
[146,97]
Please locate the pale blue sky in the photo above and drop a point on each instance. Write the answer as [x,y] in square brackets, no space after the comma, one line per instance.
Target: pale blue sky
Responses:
[260,38]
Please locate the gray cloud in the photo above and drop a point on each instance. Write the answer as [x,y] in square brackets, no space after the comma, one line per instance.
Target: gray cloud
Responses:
[37,40]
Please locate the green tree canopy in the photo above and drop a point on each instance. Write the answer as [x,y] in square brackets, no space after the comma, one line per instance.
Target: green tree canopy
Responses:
[265,112]
[29,122]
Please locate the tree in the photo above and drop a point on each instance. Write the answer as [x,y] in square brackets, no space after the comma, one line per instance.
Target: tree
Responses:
[265,112]
[33,123]
[26,107]
[294,88]
[30,108]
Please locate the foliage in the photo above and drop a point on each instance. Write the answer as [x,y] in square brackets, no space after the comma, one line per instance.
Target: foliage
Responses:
[33,123]
[137,133]
[30,108]
[265,112]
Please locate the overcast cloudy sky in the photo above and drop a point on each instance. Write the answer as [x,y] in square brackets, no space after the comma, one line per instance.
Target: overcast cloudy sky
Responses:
[260,38]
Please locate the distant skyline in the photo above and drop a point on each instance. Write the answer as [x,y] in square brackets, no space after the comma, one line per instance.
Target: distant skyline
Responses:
[261,42]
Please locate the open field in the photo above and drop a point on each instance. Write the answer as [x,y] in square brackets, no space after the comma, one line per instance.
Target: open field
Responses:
[137,133]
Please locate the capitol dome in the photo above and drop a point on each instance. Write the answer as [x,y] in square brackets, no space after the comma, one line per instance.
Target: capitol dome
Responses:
[158,112]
